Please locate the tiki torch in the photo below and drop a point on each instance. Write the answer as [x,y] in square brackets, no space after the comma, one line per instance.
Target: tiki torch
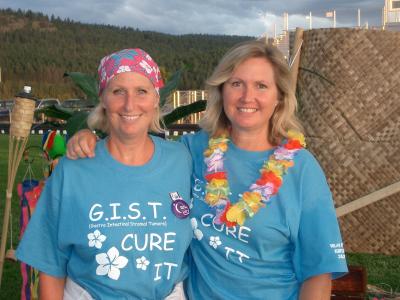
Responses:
[20,126]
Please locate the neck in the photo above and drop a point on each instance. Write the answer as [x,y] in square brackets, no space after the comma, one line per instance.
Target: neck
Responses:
[135,152]
[251,141]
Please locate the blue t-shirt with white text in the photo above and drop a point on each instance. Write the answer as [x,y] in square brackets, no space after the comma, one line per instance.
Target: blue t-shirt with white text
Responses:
[110,227]
[296,236]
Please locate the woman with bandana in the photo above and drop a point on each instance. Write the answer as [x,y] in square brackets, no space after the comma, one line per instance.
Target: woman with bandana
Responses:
[116,226]
[263,217]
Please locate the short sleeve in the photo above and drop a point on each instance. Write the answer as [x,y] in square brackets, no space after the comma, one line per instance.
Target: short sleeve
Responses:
[185,140]
[39,246]
[318,246]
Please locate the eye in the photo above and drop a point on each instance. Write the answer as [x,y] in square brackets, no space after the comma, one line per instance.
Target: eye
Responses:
[261,86]
[236,83]
[118,91]
[141,91]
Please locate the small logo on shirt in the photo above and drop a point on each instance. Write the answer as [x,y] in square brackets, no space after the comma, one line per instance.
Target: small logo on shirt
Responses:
[178,206]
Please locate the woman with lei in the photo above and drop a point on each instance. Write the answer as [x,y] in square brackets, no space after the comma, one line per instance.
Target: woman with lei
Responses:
[263,217]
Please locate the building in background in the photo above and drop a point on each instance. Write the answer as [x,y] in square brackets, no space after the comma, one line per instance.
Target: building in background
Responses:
[391,15]
[180,98]
[281,41]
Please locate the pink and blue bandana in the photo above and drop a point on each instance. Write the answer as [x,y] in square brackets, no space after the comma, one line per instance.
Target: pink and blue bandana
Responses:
[129,60]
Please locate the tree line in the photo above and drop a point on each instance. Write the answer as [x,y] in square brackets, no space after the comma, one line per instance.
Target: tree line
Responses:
[37,49]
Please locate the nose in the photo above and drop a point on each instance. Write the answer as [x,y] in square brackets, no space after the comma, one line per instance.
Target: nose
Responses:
[130,102]
[248,94]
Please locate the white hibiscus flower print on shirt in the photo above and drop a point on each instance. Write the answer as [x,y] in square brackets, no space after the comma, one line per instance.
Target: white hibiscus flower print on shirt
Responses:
[142,263]
[96,239]
[110,263]
[215,241]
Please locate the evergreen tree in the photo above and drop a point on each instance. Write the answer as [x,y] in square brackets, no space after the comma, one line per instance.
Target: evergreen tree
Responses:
[36,49]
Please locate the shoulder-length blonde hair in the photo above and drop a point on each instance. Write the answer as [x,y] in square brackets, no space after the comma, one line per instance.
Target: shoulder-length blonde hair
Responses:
[97,119]
[215,120]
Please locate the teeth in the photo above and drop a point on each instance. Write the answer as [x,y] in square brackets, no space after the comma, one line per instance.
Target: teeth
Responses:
[247,110]
[130,118]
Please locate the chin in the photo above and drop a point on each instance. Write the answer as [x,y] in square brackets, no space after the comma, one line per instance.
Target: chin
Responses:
[246,125]
[130,134]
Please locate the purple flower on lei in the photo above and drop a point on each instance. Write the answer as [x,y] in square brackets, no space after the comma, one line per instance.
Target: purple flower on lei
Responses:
[219,210]
[281,153]
[264,190]
[215,163]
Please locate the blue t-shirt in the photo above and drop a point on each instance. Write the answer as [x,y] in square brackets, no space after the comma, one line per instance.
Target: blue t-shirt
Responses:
[110,227]
[294,237]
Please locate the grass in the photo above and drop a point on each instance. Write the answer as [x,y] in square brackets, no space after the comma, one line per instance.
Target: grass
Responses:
[383,271]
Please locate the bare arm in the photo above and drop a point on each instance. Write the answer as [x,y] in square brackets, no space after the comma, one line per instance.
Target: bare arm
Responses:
[51,288]
[316,288]
[81,144]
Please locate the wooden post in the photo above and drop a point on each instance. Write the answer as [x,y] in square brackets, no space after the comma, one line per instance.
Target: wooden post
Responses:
[295,61]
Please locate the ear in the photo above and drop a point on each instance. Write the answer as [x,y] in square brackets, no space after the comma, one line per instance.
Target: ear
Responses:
[157,101]
[102,102]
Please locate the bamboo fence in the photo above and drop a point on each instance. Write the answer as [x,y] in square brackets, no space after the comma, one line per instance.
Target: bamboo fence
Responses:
[349,94]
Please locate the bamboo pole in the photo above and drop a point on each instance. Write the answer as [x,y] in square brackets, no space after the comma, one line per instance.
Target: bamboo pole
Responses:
[295,61]
[21,122]
[368,199]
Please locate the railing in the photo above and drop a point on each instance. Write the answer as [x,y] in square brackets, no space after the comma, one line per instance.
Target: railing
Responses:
[173,130]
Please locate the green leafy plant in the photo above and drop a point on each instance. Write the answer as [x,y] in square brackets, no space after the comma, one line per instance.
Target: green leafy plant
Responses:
[77,120]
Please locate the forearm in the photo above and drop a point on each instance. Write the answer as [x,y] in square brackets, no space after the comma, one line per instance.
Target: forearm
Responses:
[316,288]
[51,288]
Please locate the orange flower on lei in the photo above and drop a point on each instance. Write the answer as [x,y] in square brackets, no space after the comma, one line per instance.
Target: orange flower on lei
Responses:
[267,185]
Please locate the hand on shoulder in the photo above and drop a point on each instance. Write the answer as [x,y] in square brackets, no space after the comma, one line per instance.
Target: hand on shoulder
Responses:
[81,145]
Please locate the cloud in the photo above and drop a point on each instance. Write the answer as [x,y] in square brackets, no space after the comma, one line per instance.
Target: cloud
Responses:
[188,17]
[232,17]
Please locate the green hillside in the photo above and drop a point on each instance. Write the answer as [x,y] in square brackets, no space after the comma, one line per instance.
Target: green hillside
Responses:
[36,50]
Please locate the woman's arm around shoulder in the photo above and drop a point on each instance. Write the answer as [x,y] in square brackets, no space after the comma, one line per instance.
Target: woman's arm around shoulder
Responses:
[82,144]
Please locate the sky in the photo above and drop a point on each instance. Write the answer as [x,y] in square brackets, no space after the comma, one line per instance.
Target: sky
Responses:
[230,17]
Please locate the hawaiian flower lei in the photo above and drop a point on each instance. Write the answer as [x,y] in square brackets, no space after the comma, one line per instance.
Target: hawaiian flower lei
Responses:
[260,192]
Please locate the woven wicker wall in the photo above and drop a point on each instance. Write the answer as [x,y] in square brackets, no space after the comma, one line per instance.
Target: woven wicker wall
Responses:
[353,126]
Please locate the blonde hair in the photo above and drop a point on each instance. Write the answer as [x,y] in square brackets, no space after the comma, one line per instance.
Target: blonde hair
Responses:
[97,119]
[283,118]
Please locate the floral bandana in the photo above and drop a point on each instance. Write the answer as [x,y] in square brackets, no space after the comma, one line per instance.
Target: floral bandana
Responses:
[129,60]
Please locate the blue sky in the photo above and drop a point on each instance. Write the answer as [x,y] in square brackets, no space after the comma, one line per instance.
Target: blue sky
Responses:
[232,17]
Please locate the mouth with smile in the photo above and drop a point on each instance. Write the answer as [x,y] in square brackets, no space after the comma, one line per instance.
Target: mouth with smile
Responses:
[131,117]
[247,109]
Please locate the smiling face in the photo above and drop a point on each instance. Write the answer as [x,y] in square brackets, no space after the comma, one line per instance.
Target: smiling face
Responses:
[250,96]
[130,101]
